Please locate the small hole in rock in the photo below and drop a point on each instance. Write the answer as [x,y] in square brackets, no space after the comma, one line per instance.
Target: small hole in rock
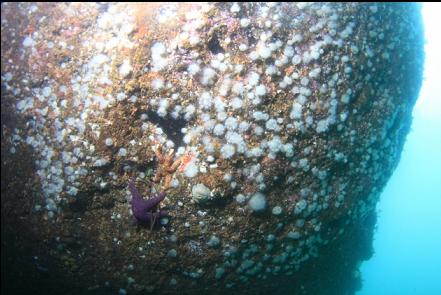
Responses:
[171,127]
[214,45]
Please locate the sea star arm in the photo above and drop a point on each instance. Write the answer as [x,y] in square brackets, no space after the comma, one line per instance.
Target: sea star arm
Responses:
[134,191]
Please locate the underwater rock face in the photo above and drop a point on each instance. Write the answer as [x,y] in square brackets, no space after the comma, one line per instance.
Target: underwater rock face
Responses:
[272,128]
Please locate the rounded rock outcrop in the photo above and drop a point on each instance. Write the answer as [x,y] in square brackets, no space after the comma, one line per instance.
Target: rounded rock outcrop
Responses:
[306,104]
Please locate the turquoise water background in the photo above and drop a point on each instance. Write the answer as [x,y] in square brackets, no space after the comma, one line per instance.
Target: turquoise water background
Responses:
[407,243]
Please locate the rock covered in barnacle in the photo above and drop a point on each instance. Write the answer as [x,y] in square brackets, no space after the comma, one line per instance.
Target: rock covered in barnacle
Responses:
[292,116]
[201,194]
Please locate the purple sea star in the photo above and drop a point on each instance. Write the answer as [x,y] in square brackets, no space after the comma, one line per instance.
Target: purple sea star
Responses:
[145,210]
